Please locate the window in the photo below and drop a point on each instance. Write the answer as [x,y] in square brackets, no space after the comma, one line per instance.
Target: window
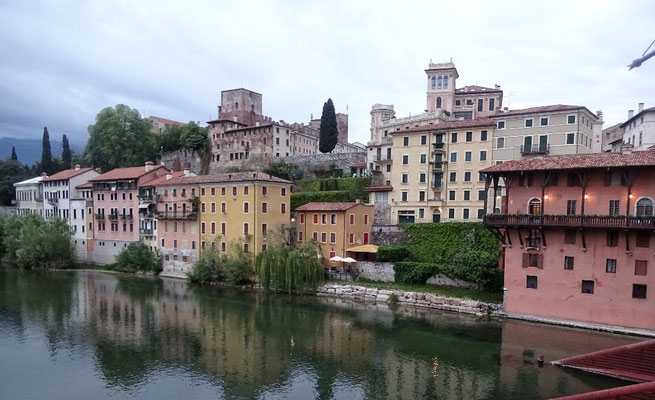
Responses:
[469,136]
[421,177]
[481,176]
[453,137]
[500,143]
[465,214]
[569,236]
[639,291]
[467,156]
[324,219]
[481,194]
[480,104]
[543,121]
[245,228]
[333,237]
[223,228]
[643,239]
[644,207]
[213,228]
[283,208]
[570,119]
[323,237]
[500,125]
[245,207]
[223,247]
[405,159]
[315,219]
[352,219]
[570,138]
[424,139]
[483,155]
[202,228]
[438,102]
[223,190]
[610,266]
[467,176]
[351,238]
[571,206]
[573,179]
[531,282]
[223,207]
[265,210]
[483,135]
[612,238]
[404,178]
[403,196]
[641,267]
[480,213]
[588,287]
[453,157]
[406,141]
[492,104]
[453,177]
[365,219]
[528,122]
[451,195]
[424,158]
[568,262]
[421,195]
[315,236]
[245,190]
[451,213]
[365,237]
[300,236]
[467,195]
[614,207]
[534,207]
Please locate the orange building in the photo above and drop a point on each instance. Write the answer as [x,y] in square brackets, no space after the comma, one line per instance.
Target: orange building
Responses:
[335,226]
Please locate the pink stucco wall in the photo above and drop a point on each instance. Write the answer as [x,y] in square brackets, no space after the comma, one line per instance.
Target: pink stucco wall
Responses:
[108,204]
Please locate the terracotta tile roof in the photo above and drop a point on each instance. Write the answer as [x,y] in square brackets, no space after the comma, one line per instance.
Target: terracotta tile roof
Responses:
[383,188]
[244,128]
[647,110]
[359,165]
[577,161]
[124,173]
[541,110]
[327,206]
[476,89]
[66,174]
[447,125]
[167,121]
[227,177]
[215,121]
[161,179]
[87,185]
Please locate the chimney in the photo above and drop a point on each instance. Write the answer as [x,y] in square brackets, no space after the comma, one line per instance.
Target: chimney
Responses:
[77,167]
[640,107]
[44,175]
[149,166]
[358,201]
[599,113]
[497,86]
[631,113]
[169,177]
[99,170]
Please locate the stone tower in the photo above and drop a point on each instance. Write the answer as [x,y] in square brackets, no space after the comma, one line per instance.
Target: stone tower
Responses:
[441,79]
[241,105]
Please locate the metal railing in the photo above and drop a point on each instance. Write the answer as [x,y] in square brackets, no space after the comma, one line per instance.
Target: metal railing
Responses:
[569,221]
[535,149]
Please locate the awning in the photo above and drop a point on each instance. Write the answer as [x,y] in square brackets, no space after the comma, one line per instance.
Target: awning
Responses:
[143,206]
[367,248]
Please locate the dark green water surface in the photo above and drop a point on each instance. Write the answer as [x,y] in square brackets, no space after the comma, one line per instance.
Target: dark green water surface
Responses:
[92,335]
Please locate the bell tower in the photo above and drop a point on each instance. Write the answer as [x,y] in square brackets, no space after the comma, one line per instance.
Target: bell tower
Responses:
[441,86]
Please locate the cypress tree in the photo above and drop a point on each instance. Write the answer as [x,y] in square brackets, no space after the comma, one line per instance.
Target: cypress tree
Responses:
[328,133]
[66,155]
[46,154]
[14,156]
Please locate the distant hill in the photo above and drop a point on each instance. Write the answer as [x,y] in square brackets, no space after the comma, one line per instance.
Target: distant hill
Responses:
[29,150]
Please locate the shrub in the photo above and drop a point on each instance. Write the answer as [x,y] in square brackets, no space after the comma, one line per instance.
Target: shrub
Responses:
[393,253]
[413,272]
[286,171]
[237,267]
[301,198]
[208,266]
[138,256]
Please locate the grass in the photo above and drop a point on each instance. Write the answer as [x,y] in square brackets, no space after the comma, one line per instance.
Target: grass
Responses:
[487,297]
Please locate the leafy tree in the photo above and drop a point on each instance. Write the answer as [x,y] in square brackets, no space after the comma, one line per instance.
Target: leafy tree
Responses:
[290,172]
[120,138]
[11,171]
[291,268]
[46,153]
[328,133]
[237,267]
[31,242]
[170,138]
[138,256]
[66,155]
[14,156]
[194,137]
[209,265]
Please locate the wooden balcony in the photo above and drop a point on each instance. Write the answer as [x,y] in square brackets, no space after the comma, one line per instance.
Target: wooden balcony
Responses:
[568,221]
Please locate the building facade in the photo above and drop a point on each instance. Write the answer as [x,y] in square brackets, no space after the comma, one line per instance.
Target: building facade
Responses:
[639,129]
[159,124]
[29,196]
[578,237]
[336,227]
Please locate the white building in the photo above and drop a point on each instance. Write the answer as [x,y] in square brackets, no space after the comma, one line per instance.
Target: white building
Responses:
[639,129]
[29,196]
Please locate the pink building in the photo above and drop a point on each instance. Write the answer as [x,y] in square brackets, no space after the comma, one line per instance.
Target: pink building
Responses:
[116,204]
[577,232]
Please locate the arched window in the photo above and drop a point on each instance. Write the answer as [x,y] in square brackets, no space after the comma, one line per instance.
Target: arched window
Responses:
[439,82]
[438,102]
[534,207]
[434,81]
[445,82]
[645,207]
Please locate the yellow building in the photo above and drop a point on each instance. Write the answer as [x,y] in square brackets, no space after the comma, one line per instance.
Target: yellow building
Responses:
[335,226]
[235,206]
[435,176]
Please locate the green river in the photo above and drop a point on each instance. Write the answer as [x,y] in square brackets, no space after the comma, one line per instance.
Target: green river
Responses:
[94,335]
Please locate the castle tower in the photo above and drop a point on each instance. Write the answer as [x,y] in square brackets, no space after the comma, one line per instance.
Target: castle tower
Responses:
[441,86]
[241,105]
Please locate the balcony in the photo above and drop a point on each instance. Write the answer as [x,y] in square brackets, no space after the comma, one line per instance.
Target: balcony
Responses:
[535,149]
[383,159]
[113,217]
[568,221]
[128,217]
[438,165]
[149,198]
[147,231]
[53,201]
[191,216]
[99,217]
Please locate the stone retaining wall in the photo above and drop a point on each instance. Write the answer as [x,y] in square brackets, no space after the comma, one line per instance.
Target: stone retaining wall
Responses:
[377,271]
[311,162]
[388,235]
[417,299]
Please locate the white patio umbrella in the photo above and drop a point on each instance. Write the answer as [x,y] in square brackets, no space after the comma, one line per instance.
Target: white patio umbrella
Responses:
[349,260]
[337,259]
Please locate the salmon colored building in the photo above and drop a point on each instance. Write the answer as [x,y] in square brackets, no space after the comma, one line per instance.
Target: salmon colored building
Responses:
[335,226]
[116,209]
[577,231]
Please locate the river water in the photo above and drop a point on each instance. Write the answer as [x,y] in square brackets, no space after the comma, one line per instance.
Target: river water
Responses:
[93,335]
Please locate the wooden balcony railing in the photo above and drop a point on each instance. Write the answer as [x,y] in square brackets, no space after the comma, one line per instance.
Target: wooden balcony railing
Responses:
[569,221]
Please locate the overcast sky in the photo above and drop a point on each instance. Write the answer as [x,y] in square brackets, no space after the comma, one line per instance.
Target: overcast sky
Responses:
[64,61]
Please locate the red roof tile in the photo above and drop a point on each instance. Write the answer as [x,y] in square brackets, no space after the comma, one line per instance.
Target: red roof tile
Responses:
[87,185]
[222,178]
[359,165]
[383,188]
[327,206]
[163,178]
[66,174]
[124,173]
[477,89]
[167,121]
[446,125]
[577,161]
[541,109]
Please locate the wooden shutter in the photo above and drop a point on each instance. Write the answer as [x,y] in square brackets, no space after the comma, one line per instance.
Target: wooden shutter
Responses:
[540,261]
[526,260]
[607,178]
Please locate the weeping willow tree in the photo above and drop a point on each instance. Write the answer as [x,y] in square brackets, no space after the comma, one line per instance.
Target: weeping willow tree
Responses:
[289,268]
